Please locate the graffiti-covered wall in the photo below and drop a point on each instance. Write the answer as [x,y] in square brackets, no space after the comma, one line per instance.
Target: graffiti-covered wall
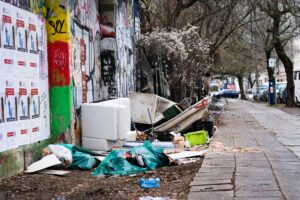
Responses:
[125,47]
[58,31]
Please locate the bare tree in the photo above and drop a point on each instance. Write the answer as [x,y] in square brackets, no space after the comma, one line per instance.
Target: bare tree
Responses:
[284,17]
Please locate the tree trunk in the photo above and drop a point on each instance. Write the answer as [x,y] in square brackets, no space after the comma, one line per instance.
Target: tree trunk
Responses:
[288,66]
[286,61]
[240,80]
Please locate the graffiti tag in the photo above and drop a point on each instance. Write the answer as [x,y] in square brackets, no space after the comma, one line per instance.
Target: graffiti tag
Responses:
[57,26]
[60,58]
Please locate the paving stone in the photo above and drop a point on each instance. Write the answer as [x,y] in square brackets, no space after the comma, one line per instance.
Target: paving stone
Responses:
[219,195]
[210,182]
[260,198]
[270,193]
[256,182]
[205,188]
[255,187]
[212,176]
[217,169]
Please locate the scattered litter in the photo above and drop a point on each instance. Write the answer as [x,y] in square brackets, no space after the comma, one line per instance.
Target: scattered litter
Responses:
[100,158]
[186,154]
[55,172]
[157,144]
[186,118]
[152,198]
[44,163]
[219,146]
[196,138]
[149,183]
[184,161]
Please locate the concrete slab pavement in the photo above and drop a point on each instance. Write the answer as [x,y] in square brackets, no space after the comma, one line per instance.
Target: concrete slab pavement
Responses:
[254,155]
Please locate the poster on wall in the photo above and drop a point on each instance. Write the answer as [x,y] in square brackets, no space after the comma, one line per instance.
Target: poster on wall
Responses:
[20,33]
[3,142]
[44,111]
[24,95]
[23,113]
[42,48]
[32,40]
[34,101]
[7,28]
[10,112]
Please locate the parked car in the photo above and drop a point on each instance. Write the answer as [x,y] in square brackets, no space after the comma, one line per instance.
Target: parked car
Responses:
[227,93]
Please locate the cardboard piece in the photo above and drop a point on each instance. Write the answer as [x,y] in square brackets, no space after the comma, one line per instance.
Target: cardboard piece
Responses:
[186,154]
[44,163]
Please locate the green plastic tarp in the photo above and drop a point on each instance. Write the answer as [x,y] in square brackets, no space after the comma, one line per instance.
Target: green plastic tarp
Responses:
[116,163]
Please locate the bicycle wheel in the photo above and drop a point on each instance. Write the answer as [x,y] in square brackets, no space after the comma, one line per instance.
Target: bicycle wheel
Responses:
[224,102]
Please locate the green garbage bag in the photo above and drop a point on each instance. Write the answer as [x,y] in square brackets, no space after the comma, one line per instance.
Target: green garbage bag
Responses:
[80,160]
[152,157]
[116,162]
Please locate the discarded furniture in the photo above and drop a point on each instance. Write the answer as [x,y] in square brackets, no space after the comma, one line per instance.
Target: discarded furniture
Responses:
[141,102]
[105,124]
[185,119]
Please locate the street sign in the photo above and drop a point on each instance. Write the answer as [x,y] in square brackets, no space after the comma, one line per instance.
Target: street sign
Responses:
[272,62]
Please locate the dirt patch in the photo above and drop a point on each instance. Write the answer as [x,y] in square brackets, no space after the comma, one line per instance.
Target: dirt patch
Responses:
[219,147]
[174,183]
[293,111]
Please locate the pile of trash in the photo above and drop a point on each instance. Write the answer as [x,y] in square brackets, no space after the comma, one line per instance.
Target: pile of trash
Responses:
[130,136]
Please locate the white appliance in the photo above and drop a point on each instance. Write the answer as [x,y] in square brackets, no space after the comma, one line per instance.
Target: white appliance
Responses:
[105,124]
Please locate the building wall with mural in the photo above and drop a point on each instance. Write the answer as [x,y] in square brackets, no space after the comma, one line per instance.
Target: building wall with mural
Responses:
[86,54]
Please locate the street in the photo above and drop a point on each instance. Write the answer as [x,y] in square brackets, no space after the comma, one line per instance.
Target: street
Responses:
[254,155]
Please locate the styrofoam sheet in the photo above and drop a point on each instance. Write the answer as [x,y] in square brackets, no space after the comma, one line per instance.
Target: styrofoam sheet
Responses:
[108,120]
[100,144]
[99,121]
[44,163]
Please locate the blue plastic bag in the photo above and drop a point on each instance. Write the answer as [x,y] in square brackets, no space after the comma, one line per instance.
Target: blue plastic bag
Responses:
[149,183]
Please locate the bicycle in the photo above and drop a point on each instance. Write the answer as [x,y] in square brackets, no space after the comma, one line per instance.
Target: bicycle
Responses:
[218,103]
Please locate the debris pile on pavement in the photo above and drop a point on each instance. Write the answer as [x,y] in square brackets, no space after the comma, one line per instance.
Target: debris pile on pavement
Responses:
[134,135]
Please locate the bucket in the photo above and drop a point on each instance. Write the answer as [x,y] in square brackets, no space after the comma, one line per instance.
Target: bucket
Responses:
[196,138]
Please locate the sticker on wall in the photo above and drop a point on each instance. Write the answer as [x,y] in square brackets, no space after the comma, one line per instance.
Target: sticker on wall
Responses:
[7,29]
[35,134]
[32,40]
[20,36]
[33,68]
[23,133]
[7,62]
[3,142]
[35,101]
[21,65]
[11,135]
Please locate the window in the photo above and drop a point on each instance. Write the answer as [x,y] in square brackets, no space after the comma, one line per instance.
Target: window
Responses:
[298,75]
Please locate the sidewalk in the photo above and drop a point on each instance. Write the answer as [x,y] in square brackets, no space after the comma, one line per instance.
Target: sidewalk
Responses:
[253,156]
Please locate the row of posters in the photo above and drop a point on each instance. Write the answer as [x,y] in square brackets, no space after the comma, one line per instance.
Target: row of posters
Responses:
[24,95]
